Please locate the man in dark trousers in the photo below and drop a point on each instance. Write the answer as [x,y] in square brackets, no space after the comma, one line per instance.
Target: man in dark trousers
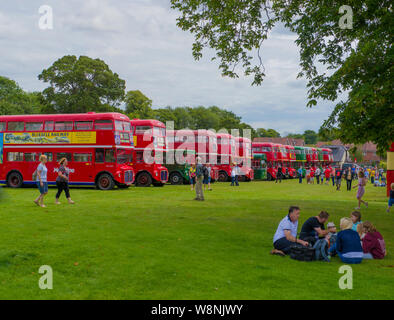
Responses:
[200,180]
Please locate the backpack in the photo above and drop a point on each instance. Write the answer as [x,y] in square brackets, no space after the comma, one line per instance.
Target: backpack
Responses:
[205,172]
[302,253]
[34,176]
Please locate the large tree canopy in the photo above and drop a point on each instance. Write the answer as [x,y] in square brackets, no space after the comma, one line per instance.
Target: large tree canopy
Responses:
[354,63]
[82,85]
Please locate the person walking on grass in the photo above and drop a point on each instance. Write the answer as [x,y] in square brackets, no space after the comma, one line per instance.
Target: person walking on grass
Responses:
[317,175]
[300,172]
[199,178]
[42,181]
[349,179]
[391,199]
[338,177]
[327,174]
[361,190]
[62,181]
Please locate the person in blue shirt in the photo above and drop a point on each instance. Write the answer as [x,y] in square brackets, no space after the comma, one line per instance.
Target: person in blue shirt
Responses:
[348,244]
[286,233]
[299,171]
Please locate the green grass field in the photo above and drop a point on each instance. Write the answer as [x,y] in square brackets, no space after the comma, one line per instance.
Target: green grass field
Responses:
[157,243]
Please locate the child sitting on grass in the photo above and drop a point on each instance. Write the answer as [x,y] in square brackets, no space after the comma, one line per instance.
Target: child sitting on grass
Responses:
[356,219]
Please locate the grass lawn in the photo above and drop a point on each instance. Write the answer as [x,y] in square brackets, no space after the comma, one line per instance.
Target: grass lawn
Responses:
[157,243]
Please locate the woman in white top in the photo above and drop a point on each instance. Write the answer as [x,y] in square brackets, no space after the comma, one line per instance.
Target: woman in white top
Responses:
[42,181]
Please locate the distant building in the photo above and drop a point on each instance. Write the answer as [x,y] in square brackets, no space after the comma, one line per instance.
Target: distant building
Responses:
[368,150]
[285,141]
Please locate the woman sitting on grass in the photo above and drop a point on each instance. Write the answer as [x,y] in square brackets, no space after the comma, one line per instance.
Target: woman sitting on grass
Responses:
[348,244]
[356,219]
[373,242]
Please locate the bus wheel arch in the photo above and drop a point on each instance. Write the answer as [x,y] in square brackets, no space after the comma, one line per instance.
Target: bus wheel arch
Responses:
[14,179]
[143,179]
[176,178]
[105,181]
[223,176]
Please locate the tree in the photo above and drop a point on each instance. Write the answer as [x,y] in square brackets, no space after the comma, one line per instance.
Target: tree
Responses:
[271,133]
[138,105]
[82,85]
[356,62]
[14,100]
[310,137]
[295,135]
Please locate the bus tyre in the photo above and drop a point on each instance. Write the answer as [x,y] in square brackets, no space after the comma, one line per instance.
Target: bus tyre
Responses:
[105,182]
[143,180]
[223,176]
[14,180]
[176,178]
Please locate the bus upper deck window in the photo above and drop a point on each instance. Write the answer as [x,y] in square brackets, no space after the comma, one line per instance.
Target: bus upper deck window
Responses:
[63,125]
[83,125]
[16,126]
[119,125]
[126,126]
[103,125]
[48,126]
[2,126]
[34,126]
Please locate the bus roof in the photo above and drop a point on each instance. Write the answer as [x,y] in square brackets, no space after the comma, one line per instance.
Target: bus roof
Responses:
[147,122]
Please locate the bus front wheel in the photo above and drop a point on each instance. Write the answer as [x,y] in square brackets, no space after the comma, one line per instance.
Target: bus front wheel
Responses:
[143,180]
[176,178]
[14,180]
[105,182]
[223,176]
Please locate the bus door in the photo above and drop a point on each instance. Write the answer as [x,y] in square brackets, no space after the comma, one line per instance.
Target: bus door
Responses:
[83,167]
[104,160]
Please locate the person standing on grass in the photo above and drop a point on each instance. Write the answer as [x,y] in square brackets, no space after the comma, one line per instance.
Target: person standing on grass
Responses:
[200,178]
[42,181]
[349,179]
[332,172]
[391,199]
[286,233]
[300,172]
[327,174]
[207,176]
[279,174]
[317,175]
[373,243]
[192,176]
[361,190]
[62,181]
[234,175]
[338,177]
[348,244]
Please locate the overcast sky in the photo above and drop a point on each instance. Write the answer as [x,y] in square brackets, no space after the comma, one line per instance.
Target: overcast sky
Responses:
[140,41]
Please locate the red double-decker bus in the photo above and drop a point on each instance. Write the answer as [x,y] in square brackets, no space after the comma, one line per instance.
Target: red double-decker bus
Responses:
[98,147]
[282,158]
[269,150]
[243,148]
[226,153]
[149,148]
[207,149]
[291,158]
[327,156]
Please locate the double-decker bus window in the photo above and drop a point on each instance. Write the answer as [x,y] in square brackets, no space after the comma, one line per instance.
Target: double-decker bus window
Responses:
[109,155]
[30,157]
[2,126]
[126,126]
[99,158]
[14,156]
[62,155]
[103,125]
[124,156]
[16,126]
[143,130]
[34,126]
[83,125]
[119,125]
[82,157]
[63,125]
[139,156]
[49,125]
[49,156]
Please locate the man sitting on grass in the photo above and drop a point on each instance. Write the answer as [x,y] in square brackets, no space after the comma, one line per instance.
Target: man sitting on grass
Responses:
[313,228]
[286,234]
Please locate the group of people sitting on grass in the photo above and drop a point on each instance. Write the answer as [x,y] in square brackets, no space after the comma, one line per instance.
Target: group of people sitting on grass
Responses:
[355,241]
